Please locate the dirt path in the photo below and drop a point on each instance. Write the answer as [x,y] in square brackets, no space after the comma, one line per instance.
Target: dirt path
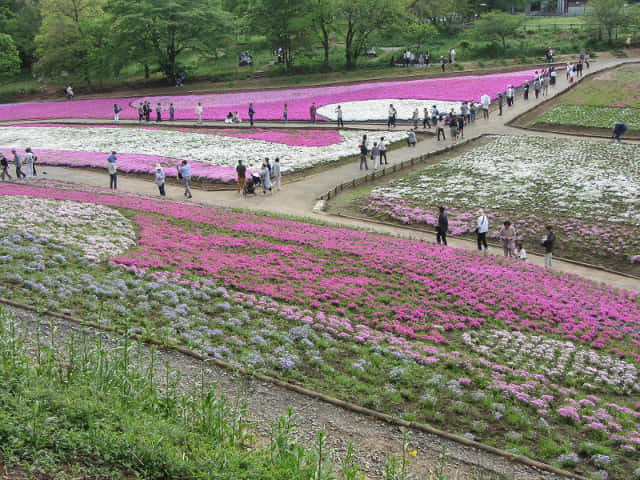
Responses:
[373,440]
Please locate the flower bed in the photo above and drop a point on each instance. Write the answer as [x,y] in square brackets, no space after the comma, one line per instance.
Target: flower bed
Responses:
[214,155]
[589,116]
[268,104]
[581,187]
[476,344]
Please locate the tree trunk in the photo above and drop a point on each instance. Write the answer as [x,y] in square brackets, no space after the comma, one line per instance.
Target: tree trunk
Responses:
[325,45]
[147,74]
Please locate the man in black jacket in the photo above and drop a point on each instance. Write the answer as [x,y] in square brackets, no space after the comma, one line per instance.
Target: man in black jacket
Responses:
[442,228]
[547,243]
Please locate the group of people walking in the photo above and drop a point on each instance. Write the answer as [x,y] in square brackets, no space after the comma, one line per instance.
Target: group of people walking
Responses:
[377,153]
[512,243]
[28,162]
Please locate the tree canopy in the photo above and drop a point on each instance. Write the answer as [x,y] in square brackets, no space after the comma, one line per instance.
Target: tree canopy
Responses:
[9,57]
[498,25]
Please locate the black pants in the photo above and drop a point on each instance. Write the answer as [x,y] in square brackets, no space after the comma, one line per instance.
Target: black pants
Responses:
[158,117]
[482,240]
[441,236]
[5,172]
[383,154]
[161,188]
[441,130]
[113,181]
[20,173]
[391,122]
[426,123]
[340,123]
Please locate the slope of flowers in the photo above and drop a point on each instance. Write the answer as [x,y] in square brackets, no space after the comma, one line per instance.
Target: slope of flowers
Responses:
[268,104]
[589,116]
[529,352]
[144,146]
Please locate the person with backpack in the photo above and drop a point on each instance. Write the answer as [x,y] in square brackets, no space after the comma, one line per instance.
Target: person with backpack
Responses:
[116,112]
[363,153]
[618,129]
[112,169]
[4,165]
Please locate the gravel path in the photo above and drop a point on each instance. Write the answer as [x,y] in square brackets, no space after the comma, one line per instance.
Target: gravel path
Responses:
[373,440]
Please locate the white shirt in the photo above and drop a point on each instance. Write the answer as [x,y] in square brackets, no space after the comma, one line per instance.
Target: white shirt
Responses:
[522,255]
[199,110]
[382,146]
[510,92]
[483,224]
[485,100]
[392,111]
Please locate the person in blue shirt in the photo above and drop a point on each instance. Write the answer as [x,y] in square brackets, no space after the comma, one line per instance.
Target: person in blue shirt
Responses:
[184,171]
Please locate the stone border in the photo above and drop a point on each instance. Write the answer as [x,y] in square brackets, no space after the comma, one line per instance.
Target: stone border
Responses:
[313,394]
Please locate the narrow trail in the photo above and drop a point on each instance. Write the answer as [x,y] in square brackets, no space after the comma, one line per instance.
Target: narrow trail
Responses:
[374,440]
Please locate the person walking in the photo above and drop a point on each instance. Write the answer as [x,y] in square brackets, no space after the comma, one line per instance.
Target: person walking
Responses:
[172,112]
[184,172]
[363,153]
[116,112]
[147,111]
[68,92]
[252,112]
[275,173]
[140,113]
[537,87]
[29,161]
[425,121]
[526,91]
[485,101]
[265,175]
[453,128]
[434,115]
[482,227]
[18,163]
[4,165]
[382,148]
[241,172]
[415,118]
[375,155]
[199,111]
[500,103]
[442,228]
[460,126]
[158,112]
[618,130]
[440,128]
[392,116]
[339,116]
[160,178]
[442,62]
[112,169]
[510,95]
[508,238]
[285,113]
[545,85]
[548,242]
[312,112]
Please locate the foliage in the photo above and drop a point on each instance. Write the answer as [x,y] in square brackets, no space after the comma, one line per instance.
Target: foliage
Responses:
[9,57]
[21,20]
[609,14]
[163,30]
[498,25]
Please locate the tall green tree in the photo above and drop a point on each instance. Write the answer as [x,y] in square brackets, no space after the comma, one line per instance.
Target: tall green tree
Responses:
[286,24]
[325,18]
[72,38]
[163,30]
[498,25]
[446,15]
[362,20]
[9,57]
[21,20]
[608,14]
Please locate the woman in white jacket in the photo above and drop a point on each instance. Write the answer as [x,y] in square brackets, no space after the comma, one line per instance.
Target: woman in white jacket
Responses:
[482,227]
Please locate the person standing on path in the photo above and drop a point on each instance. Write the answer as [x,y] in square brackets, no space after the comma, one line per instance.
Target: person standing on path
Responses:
[28,160]
[537,87]
[453,128]
[482,227]
[252,112]
[508,239]
[392,116]
[485,101]
[184,172]
[147,111]
[275,173]
[312,112]
[285,113]
[18,163]
[440,128]
[434,115]
[241,172]
[382,148]
[526,91]
[339,116]
[363,153]
[172,112]
[199,111]
[116,112]
[160,178]
[265,175]
[158,112]
[510,95]
[425,121]
[545,86]
[375,155]
[442,62]
[548,242]
[460,126]
[4,165]
[500,102]
[140,113]
[415,118]
[442,228]
[112,169]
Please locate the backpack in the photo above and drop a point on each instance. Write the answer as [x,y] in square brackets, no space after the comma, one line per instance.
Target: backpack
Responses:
[363,149]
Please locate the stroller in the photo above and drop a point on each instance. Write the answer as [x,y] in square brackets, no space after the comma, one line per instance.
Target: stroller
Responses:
[251,184]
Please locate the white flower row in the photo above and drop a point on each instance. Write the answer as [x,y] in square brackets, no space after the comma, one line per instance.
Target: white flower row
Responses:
[215,149]
[379,109]
[572,178]
[555,358]
[97,230]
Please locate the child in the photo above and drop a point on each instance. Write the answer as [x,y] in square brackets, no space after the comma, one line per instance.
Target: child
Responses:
[521,253]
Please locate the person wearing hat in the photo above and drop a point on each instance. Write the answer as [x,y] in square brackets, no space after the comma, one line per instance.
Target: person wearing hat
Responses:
[628,41]
[160,177]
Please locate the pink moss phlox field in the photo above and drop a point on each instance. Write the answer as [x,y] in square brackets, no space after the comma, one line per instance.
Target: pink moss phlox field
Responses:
[134,163]
[413,290]
[268,103]
[291,137]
